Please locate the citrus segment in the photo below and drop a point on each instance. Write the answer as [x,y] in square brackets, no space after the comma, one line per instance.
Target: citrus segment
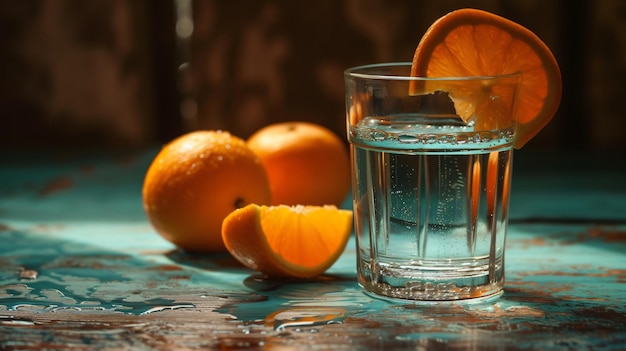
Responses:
[198,179]
[470,43]
[292,241]
[307,164]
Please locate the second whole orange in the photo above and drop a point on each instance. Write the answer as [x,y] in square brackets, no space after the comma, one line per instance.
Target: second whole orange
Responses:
[307,164]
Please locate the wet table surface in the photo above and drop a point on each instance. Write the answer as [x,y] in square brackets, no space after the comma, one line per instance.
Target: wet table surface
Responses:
[82,269]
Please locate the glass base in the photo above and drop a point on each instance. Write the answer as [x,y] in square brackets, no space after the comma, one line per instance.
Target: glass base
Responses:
[404,301]
[450,282]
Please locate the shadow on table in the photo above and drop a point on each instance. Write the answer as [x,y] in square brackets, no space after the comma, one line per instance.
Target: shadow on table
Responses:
[221,261]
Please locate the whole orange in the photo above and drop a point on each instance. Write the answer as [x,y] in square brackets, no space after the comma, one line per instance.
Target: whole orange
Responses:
[307,164]
[195,181]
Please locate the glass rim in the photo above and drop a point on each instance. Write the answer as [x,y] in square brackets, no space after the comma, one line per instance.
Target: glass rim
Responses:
[360,72]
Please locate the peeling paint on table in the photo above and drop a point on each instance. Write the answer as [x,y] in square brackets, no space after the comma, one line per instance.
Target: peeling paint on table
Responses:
[81,269]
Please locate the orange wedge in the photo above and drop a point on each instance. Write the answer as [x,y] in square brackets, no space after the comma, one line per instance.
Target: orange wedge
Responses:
[287,241]
[470,42]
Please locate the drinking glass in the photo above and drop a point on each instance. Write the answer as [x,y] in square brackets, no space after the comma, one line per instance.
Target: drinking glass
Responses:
[431,175]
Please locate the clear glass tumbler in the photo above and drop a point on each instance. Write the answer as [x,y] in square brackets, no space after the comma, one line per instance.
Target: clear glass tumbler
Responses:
[431,176]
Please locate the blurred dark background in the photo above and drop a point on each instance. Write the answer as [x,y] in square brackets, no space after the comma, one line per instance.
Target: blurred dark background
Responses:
[135,73]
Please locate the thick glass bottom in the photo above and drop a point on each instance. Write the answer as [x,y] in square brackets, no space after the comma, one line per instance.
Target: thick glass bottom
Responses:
[422,281]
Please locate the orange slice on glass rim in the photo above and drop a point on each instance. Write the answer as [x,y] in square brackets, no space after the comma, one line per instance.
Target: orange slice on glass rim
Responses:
[287,241]
[471,42]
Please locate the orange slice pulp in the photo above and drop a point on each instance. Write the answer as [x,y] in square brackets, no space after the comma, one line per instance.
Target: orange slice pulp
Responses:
[289,241]
[471,43]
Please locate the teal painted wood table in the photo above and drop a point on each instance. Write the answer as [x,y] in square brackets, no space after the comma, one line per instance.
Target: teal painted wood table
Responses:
[82,269]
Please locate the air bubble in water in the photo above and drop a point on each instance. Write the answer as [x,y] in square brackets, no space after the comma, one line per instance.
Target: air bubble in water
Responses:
[378,136]
[404,138]
[461,139]
[431,139]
